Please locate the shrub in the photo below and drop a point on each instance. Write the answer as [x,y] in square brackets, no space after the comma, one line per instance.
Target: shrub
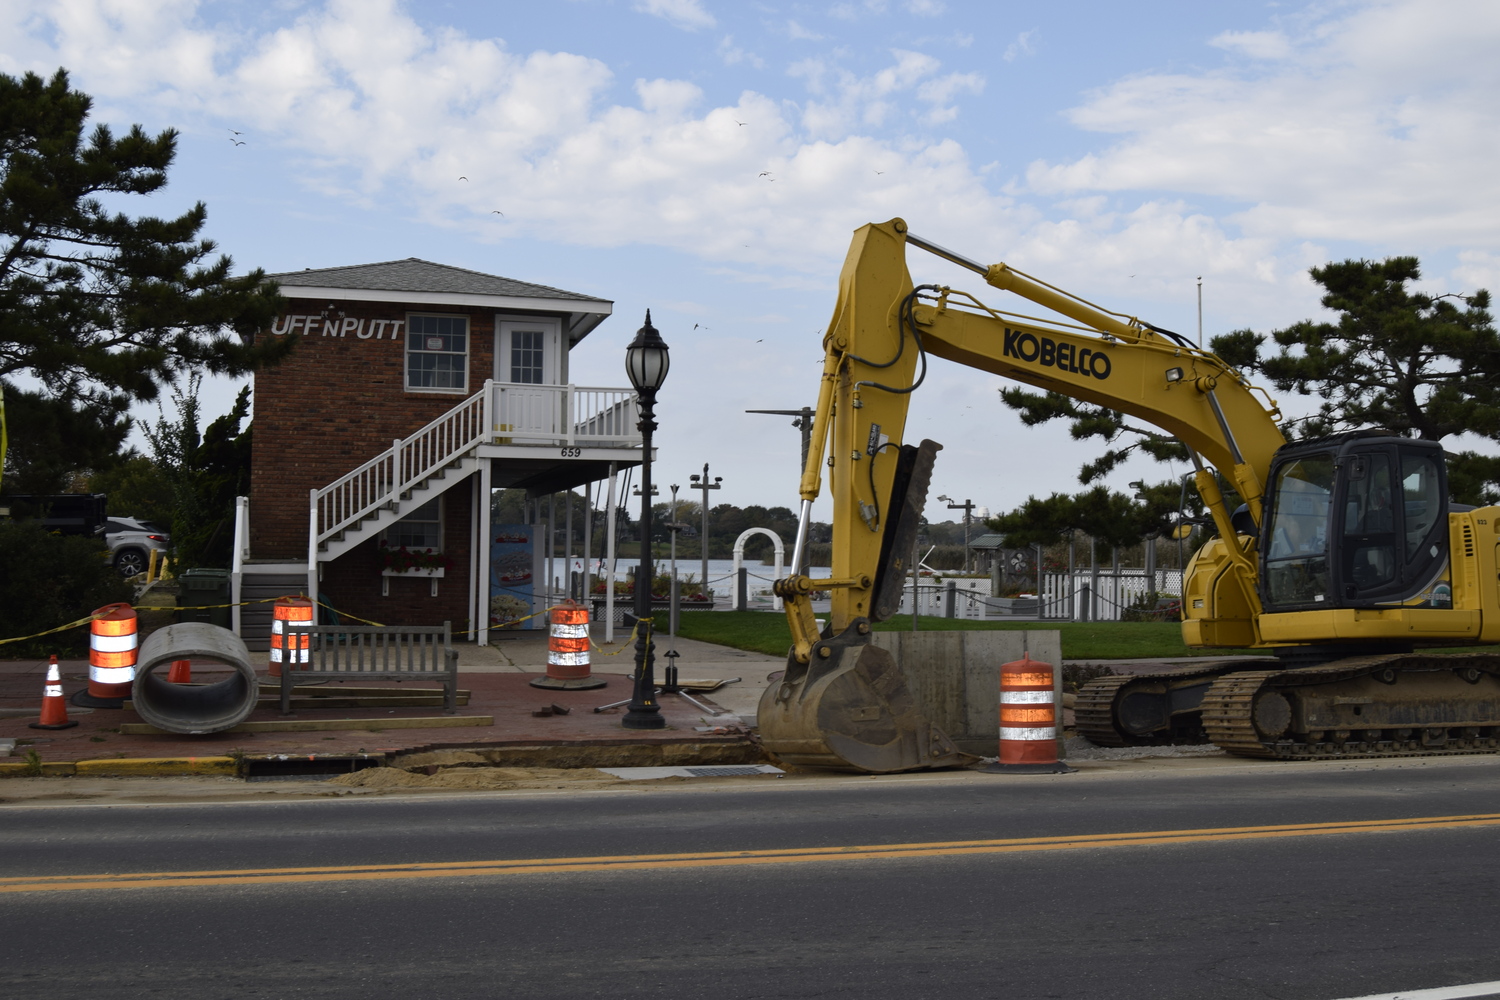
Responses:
[48,580]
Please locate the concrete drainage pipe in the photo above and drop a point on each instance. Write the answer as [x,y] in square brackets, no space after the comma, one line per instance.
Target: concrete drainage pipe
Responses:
[194,708]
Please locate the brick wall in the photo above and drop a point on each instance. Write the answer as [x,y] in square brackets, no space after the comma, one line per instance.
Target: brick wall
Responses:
[337,402]
[353,581]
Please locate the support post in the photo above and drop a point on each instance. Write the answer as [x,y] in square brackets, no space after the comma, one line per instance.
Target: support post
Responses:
[609,559]
[483,635]
[950,598]
[742,589]
[476,604]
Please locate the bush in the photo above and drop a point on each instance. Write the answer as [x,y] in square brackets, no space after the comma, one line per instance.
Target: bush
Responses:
[48,580]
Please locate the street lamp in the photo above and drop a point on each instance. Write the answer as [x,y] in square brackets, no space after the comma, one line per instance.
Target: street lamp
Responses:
[702,483]
[646,362]
[968,508]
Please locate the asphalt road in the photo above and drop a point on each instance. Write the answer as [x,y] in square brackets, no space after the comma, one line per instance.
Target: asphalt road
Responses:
[1313,914]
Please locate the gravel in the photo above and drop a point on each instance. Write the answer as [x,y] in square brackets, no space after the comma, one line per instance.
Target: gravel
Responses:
[1078,748]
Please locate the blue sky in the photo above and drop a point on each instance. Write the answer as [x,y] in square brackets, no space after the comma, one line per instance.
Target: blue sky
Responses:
[1116,150]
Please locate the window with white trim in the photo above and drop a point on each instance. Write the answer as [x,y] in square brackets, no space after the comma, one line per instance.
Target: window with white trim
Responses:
[437,353]
[421,529]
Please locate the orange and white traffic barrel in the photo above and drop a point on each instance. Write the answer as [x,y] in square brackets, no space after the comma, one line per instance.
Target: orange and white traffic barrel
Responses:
[1028,719]
[113,641]
[568,650]
[286,648]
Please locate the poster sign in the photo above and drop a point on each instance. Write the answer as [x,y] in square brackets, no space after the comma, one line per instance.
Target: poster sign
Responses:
[512,582]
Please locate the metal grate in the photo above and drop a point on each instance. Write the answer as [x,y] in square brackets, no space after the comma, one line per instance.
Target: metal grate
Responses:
[729,770]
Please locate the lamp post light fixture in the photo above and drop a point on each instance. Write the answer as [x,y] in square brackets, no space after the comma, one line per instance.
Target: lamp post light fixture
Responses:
[700,482]
[968,508]
[646,363]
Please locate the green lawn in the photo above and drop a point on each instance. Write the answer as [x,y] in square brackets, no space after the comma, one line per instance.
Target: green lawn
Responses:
[762,632]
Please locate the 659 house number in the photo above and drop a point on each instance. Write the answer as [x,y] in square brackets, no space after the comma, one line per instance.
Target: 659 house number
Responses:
[572,452]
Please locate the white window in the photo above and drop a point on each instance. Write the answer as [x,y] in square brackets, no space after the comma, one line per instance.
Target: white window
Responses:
[421,529]
[437,353]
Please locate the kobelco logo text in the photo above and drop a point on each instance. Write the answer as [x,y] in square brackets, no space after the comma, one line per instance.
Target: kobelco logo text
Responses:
[1070,358]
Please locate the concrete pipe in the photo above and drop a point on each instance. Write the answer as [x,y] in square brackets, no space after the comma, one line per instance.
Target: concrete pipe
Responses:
[190,708]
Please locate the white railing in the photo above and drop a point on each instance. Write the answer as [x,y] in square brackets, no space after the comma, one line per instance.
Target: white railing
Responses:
[564,414]
[500,413]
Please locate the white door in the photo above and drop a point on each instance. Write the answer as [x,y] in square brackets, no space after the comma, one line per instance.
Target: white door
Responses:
[526,365]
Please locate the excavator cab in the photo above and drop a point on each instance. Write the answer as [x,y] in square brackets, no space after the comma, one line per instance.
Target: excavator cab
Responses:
[1359,520]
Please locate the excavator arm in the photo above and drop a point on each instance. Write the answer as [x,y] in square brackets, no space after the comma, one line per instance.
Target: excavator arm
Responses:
[875,356]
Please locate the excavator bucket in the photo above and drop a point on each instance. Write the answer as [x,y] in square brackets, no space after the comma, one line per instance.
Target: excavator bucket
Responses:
[851,711]
[849,706]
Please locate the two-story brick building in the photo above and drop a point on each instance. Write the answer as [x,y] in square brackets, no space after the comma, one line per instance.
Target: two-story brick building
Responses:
[415,389]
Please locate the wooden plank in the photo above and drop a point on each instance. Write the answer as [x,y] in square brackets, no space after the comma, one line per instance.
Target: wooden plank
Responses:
[328,725]
[360,690]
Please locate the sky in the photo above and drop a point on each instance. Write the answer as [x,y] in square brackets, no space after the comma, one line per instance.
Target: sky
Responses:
[709,161]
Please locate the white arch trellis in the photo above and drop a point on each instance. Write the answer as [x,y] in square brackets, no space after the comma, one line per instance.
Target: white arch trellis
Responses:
[739,552]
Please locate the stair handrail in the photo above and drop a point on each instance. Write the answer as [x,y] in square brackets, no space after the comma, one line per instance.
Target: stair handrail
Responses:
[391,473]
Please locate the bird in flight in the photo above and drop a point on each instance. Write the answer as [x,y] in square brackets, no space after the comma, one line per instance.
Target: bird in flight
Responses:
[738,122]
[496,211]
[879,172]
[238,142]
[758,341]
[463,178]
[236,133]
[764,173]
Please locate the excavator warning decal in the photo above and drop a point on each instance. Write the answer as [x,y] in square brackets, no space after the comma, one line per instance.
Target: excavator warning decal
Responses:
[1070,358]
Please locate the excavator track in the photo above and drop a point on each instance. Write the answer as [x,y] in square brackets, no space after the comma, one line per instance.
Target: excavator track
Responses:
[1401,705]
[1098,710]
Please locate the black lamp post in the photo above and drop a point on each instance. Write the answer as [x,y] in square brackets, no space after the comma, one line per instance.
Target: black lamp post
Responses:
[646,363]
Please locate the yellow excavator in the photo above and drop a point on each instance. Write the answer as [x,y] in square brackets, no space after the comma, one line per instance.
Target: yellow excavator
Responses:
[1345,559]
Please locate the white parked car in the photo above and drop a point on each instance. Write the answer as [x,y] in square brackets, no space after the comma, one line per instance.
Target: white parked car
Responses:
[130,543]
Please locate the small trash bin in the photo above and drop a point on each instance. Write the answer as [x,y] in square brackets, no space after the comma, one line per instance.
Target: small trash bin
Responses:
[204,596]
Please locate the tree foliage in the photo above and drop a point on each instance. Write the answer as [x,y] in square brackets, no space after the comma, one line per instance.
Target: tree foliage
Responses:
[1424,366]
[204,469]
[1112,518]
[97,307]
[50,580]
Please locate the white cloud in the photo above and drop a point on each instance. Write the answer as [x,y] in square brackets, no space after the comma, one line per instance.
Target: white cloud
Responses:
[733,55]
[1022,46]
[797,33]
[686,14]
[926,8]
[1255,44]
[844,102]
[1379,125]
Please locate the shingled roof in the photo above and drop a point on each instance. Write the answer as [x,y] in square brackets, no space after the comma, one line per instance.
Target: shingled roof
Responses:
[416,275]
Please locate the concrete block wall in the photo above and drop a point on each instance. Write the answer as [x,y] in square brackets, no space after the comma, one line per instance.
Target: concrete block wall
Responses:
[955,676]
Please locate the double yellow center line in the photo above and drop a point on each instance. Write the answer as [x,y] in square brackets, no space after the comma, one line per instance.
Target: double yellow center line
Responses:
[656,862]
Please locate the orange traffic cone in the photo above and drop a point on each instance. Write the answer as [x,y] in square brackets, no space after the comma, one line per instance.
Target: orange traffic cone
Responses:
[181,672]
[54,709]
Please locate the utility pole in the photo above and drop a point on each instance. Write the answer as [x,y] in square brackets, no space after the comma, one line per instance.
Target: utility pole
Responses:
[803,423]
[968,508]
[702,483]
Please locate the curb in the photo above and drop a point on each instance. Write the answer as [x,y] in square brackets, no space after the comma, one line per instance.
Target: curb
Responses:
[126,767]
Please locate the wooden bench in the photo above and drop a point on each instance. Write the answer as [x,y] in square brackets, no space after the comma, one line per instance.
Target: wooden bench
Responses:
[370,652]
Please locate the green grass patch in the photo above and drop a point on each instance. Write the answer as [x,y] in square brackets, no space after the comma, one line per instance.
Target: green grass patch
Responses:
[763,632]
